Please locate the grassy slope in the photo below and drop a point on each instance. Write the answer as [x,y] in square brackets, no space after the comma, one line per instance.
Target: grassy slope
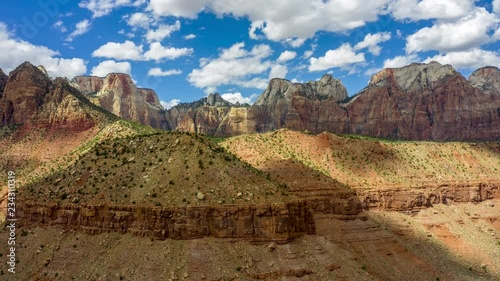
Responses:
[371,162]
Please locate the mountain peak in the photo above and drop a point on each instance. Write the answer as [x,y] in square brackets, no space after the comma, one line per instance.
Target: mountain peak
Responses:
[487,79]
[413,75]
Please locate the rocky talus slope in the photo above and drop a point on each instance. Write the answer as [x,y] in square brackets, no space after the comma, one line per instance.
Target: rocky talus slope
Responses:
[118,94]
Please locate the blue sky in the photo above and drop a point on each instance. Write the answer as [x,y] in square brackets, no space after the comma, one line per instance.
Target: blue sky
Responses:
[187,49]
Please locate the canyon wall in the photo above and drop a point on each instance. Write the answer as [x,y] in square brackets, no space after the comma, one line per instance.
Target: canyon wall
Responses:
[276,222]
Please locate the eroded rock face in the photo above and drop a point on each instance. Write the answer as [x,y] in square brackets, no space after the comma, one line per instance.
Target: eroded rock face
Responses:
[413,199]
[3,80]
[486,79]
[203,116]
[118,94]
[424,102]
[33,100]
[276,222]
[23,95]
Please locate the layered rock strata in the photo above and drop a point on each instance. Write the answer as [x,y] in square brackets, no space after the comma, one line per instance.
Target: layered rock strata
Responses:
[276,222]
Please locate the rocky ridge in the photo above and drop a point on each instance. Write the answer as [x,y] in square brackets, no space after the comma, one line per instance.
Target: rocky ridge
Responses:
[419,102]
[118,94]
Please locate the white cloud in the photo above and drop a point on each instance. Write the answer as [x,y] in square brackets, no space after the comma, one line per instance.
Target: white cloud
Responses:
[279,20]
[163,31]
[278,71]
[110,66]
[157,52]
[238,98]
[81,28]
[343,56]
[159,72]
[468,32]
[430,9]
[189,36]
[496,6]
[119,51]
[177,8]
[141,20]
[471,60]
[59,25]
[234,66]
[295,42]
[170,104]
[286,56]
[372,42]
[400,61]
[20,51]
[101,8]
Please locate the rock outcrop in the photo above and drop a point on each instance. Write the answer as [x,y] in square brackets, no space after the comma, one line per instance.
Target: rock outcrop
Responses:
[276,222]
[3,80]
[203,116]
[424,102]
[118,94]
[33,100]
[24,93]
[487,79]
[415,199]
[419,101]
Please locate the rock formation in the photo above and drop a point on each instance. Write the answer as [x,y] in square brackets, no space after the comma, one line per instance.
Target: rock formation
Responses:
[31,99]
[203,116]
[276,222]
[487,79]
[424,102]
[118,94]
[23,95]
[3,80]
[419,101]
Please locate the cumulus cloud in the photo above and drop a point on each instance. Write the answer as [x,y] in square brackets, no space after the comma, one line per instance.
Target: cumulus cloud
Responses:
[158,52]
[496,6]
[372,42]
[159,72]
[177,8]
[163,31]
[343,56]
[286,56]
[470,60]
[110,66]
[238,98]
[278,71]
[430,9]
[81,28]
[101,8]
[141,20]
[170,104]
[468,32]
[291,21]
[189,36]
[119,51]
[235,66]
[400,61]
[20,51]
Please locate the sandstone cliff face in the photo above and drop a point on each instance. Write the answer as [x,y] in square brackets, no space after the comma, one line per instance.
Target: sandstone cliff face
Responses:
[415,199]
[311,106]
[202,117]
[24,92]
[424,102]
[277,222]
[3,80]
[33,100]
[486,79]
[118,94]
